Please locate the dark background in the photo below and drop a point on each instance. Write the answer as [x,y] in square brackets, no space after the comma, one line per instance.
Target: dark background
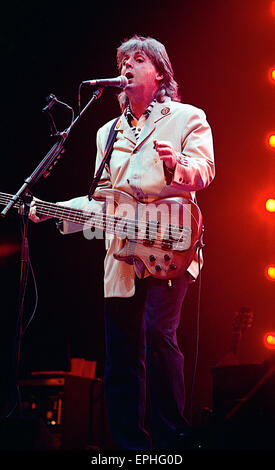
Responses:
[221,52]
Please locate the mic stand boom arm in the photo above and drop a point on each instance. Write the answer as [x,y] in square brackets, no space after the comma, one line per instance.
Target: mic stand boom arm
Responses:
[50,158]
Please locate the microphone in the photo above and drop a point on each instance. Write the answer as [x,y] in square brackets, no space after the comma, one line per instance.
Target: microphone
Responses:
[51,100]
[120,82]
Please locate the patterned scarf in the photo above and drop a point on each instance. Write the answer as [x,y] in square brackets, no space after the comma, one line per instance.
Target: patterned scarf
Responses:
[137,124]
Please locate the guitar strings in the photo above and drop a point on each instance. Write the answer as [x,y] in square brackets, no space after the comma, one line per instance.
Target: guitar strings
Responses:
[117,224]
[84,216]
[97,220]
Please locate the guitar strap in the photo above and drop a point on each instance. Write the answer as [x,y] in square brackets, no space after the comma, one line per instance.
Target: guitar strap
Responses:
[106,158]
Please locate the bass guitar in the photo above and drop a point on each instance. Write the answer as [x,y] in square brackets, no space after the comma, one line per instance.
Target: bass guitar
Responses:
[164,234]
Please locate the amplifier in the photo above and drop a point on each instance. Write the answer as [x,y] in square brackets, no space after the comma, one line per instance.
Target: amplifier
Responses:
[72,407]
[244,392]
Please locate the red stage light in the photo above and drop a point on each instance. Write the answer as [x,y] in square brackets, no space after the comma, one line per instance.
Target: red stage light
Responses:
[273,8]
[8,249]
[269,340]
[270,272]
[271,141]
[271,75]
[270,205]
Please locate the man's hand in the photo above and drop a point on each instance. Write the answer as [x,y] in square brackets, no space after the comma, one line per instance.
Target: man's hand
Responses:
[32,212]
[166,153]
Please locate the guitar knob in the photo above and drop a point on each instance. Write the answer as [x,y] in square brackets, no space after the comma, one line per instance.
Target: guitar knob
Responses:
[158,268]
[152,258]
[167,257]
[173,266]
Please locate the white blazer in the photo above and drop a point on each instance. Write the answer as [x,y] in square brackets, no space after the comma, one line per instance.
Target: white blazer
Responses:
[136,169]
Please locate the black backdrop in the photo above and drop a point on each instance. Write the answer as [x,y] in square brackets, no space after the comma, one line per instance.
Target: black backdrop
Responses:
[221,52]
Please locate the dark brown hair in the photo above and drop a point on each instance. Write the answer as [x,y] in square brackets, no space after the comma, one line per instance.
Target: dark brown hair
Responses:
[156,52]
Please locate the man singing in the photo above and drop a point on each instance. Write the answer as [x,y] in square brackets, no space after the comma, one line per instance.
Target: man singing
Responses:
[163,148]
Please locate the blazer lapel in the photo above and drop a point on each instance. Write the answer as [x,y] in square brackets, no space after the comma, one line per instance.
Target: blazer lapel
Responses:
[160,111]
[123,126]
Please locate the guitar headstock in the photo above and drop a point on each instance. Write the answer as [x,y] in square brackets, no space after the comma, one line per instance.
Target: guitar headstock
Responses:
[243,319]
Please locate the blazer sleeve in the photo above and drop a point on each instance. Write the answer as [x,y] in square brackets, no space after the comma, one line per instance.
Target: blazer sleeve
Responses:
[195,167]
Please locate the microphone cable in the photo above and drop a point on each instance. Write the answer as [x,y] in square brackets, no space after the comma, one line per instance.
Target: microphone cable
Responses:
[29,266]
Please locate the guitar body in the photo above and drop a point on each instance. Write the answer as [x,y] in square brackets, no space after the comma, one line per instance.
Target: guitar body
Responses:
[170,232]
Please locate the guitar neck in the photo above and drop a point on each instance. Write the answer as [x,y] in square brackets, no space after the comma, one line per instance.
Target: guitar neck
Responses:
[69,214]
[236,341]
[88,219]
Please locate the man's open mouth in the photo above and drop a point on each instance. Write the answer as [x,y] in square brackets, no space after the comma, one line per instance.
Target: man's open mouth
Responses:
[129,75]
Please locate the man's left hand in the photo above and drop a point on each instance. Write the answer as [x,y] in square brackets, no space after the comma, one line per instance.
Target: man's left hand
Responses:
[166,153]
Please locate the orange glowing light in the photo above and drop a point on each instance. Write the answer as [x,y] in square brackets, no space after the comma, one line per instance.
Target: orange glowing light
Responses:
[273,8]
[271,75]
[270,272]
[269,340]
[271,141]
[270,205]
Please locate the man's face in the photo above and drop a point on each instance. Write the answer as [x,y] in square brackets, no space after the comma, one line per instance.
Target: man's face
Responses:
[143,77]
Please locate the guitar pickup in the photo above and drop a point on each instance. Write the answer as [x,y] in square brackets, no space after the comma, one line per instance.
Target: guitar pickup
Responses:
[148,242]
[166,244]
[150,233]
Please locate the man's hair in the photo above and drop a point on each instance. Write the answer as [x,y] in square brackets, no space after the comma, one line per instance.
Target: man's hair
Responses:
[156,52]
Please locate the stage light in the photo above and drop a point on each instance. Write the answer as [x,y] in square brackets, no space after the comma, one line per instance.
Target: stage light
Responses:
[271,75]
[269,340]
[270,205]
[273,8]
[270,272]
[271,141]
[8,249]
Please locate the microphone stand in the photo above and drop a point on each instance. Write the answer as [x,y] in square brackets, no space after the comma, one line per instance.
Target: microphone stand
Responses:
[24,193]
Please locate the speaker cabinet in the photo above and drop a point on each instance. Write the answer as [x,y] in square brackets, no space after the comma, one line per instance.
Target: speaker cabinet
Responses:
[72,408]
[244,392]
[26,433]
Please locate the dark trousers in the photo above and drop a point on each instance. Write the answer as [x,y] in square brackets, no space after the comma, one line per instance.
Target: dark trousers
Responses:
[142,348]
